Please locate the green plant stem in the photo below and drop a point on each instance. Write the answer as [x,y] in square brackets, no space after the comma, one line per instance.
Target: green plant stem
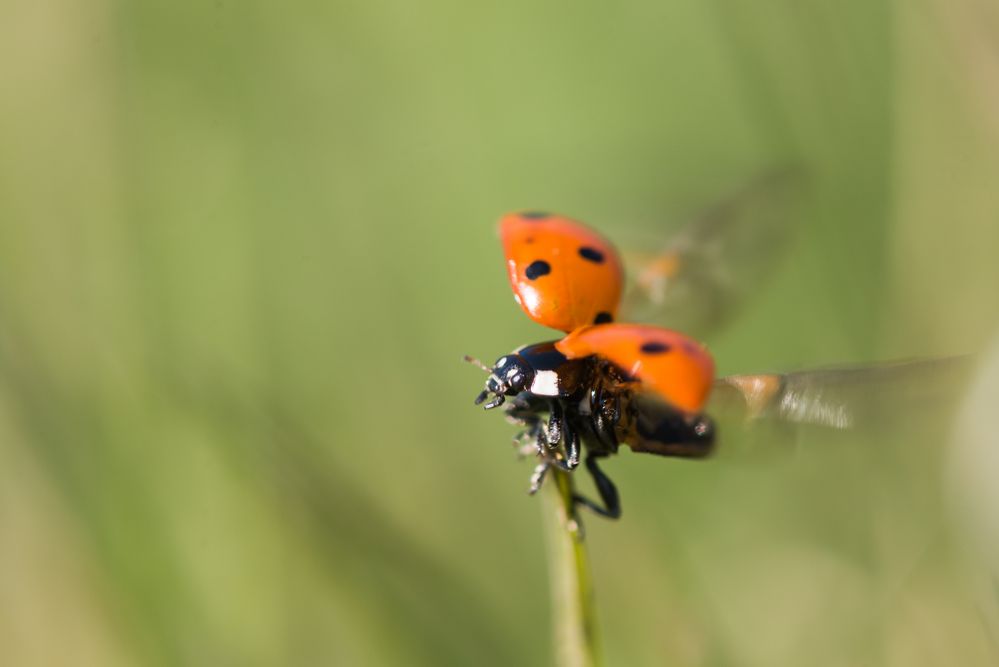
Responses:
[574,624]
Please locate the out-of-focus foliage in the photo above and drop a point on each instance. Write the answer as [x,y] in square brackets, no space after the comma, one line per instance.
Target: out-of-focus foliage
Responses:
[243,246]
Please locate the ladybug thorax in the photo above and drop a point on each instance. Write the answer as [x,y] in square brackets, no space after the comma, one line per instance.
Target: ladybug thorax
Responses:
[553,375]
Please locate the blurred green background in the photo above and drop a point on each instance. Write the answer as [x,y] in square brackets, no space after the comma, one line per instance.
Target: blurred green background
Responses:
[243,246]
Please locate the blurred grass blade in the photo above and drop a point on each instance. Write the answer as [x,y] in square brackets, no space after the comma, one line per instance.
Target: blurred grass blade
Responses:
[577,640]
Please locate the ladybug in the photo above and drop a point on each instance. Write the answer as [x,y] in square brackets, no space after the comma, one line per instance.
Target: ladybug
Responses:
[605,383]
[608,383]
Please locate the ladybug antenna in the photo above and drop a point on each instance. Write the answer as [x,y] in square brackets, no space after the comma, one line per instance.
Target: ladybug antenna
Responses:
[494,387]
[476,362]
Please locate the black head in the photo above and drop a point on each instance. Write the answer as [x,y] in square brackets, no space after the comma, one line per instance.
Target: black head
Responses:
[510,375]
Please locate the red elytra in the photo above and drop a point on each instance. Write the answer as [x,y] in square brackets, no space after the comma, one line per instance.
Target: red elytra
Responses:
[564,275]
[666,362]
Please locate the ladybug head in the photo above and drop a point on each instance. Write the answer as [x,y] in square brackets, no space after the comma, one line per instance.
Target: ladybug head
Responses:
[508,377]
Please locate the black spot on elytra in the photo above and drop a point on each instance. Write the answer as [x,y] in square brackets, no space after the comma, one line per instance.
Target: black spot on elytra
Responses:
[537,268]
[603,318]
[529,240]
[592,254]
[655,347]
[535,215]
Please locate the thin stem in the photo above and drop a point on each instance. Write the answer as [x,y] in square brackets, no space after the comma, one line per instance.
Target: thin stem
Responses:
[577,640]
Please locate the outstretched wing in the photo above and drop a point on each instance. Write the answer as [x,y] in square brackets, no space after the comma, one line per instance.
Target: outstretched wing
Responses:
[698,282]
[838,398]
[764,413]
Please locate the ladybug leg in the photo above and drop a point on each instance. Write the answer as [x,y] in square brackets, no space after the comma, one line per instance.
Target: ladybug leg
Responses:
[528,419]
[556,421]
[526,442]
[519,418]
[538,476]
[606,489]
[541,443]
[571,460]
[518,411]
[571,447]
[518,402]
[596,398]
[527,449]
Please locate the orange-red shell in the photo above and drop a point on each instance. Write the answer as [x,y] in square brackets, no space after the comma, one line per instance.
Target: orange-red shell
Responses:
[673,366]
[564,275]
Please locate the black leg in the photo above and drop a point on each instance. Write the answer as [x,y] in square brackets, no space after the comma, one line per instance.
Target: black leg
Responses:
[538,477]
[517,410]
[529,420]
[539,442]
[555,423]
[571,461]
[521,418]
[571,447]
[528,442]
[606,489]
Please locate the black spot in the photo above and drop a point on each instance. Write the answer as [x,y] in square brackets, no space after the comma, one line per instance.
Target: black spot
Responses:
[592,254]
[529,240]
[603,318]
[655,347]
[535,215]
[537,268]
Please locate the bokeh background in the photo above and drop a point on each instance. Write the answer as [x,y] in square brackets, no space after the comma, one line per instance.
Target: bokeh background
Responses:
[243,246]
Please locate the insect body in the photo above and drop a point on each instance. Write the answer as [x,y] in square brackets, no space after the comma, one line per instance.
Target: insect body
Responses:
[605,384]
